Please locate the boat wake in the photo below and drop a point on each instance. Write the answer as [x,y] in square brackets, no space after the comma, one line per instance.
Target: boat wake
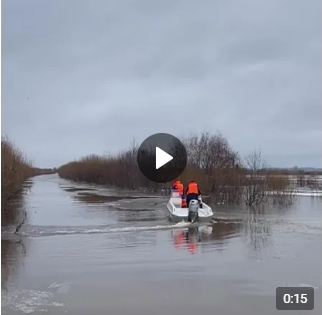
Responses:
[36,231]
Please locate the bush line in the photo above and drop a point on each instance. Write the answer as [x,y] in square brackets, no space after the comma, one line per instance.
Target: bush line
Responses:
[218,169]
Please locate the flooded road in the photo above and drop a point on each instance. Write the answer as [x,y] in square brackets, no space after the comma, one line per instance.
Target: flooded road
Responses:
[89,250]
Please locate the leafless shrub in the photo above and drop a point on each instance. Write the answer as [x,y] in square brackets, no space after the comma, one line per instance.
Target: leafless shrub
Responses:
[212,162]
[314,183]
[120,170]
[217,166]
[261,187]
[300,180]
[256,185]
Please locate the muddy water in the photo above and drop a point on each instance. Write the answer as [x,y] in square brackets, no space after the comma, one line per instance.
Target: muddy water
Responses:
[81,253]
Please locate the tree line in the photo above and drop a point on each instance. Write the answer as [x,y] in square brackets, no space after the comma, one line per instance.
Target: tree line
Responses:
[211,161]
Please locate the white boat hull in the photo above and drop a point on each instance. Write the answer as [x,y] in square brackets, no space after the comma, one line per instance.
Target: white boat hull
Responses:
[176,213]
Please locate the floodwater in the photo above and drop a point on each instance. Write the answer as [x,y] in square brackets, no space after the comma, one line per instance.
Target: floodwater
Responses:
[80,253]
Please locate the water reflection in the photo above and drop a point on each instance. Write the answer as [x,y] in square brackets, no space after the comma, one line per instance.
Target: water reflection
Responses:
[257,228]
[13,247]
[214,237]
[14,213]
[125,209]
[188,239]
[12,253]
[223,230]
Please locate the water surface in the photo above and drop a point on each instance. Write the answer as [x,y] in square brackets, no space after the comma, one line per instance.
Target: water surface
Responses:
[82,254]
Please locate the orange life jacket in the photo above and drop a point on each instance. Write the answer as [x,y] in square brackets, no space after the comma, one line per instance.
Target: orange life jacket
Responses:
[174,185]
[180,188]
[193,188]
[183,203]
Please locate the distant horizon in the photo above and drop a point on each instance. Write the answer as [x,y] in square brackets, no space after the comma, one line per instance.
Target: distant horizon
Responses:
[264,159]
[268,159]
[301,168]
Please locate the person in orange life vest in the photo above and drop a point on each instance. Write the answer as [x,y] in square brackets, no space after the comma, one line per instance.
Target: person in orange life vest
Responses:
[177,185]
[192,192]
[174,185]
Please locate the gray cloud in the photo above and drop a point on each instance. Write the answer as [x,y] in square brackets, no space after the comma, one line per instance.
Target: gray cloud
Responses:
[82,77]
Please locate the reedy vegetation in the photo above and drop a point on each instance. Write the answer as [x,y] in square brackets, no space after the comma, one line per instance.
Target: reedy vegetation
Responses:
[15,169]
[218,169]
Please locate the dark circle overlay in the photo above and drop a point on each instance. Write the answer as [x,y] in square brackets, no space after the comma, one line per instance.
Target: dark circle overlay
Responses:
[146,158]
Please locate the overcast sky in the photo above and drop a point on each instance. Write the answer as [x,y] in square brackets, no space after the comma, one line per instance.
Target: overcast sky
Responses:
[82,77]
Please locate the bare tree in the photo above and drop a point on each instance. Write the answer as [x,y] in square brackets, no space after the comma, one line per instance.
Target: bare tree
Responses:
[212,156]
[256,188]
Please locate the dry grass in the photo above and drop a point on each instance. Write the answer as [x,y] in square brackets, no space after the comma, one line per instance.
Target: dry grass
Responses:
[216,167]
[15,169]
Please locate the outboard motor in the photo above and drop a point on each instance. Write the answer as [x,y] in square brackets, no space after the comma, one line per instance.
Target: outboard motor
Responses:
[193,214]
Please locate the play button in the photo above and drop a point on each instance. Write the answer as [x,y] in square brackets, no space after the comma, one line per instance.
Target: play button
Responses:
[162,158]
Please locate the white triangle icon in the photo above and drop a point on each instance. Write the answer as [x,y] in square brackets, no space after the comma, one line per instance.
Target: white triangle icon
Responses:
[161,158]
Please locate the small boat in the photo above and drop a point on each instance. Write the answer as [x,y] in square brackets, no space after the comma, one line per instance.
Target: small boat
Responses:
[177,213]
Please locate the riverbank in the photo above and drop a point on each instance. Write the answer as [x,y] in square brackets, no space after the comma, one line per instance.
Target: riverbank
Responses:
[123,256]
[16,169]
